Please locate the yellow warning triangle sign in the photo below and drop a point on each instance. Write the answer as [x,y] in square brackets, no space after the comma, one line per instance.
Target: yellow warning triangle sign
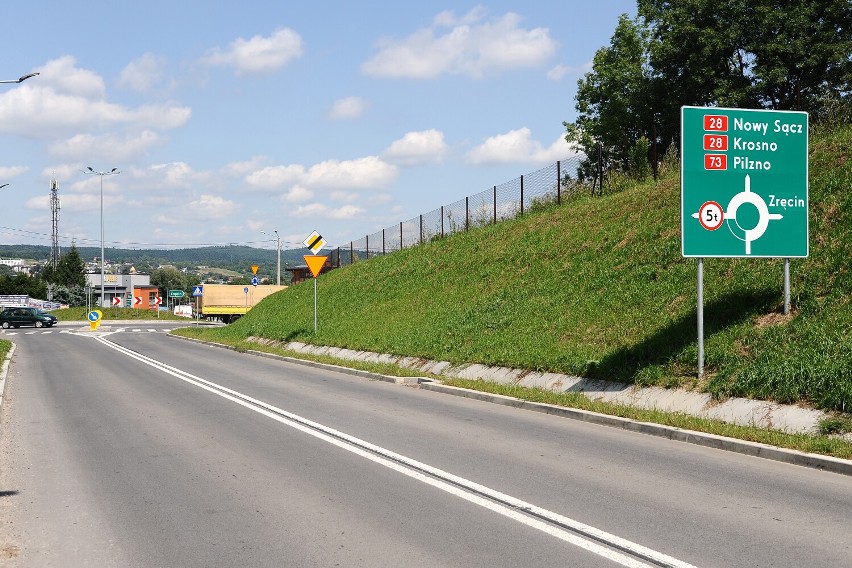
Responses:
[315,263]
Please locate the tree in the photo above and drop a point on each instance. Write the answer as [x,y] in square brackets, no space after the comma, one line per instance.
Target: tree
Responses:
[24,285]
[764,54]
[70,270]
[168,278]
[612,100]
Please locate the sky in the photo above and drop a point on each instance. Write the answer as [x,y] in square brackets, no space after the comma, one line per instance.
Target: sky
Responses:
[229,121]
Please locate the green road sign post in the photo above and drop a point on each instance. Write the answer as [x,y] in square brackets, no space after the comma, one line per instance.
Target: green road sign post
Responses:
[744,189]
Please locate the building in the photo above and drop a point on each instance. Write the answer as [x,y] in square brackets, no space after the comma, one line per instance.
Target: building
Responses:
[16,264]
[127,288]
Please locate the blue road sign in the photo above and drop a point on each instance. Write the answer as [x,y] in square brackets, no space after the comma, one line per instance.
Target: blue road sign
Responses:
[197,290]
[245,290]
[255,281]
[94,315]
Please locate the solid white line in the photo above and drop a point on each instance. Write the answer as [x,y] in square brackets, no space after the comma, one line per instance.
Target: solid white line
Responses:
[433,476]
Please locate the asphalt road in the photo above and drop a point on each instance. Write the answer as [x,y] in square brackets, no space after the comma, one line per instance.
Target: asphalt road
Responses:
[137,449]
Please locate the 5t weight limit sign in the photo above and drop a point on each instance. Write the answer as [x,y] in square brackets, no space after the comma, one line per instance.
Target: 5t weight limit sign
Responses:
[711,215]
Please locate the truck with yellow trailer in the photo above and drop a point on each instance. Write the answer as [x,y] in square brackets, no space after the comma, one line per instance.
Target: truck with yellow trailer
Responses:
[228,302]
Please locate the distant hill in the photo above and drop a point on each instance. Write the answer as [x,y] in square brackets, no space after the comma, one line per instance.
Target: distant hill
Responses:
[235,258]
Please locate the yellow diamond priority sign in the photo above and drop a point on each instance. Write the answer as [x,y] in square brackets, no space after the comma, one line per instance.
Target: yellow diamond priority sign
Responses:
[315,242]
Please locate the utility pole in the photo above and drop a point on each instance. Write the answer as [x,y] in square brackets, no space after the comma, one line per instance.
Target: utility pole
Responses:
[54,215]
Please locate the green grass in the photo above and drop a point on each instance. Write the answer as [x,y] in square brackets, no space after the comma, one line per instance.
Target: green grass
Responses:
[5,346]
[79,314]
[597,287]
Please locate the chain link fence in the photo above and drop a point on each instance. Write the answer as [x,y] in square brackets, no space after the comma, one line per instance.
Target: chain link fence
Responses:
[548,185]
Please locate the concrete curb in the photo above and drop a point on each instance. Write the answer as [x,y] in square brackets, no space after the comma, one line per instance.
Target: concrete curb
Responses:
[816,461]
[410,381]
[755,449]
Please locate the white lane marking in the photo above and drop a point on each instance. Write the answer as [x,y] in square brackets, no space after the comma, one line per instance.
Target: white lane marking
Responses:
[507,506]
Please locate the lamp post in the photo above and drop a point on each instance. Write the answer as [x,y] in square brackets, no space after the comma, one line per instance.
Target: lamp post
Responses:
[101,175]
[278,251]
[20,79]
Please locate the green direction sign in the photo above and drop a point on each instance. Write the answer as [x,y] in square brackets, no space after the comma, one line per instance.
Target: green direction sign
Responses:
[176,293]
[744,183]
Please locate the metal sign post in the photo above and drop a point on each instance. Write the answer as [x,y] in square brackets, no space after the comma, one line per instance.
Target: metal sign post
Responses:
[315,264]
[744,189]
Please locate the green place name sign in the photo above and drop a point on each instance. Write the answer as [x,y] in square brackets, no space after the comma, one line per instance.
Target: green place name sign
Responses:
[176,293]
[744,183]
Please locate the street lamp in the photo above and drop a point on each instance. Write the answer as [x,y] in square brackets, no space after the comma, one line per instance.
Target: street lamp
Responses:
[20,79]
[101,175]
[277,250]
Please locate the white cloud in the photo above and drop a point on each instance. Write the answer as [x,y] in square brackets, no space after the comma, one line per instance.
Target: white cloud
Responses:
[244,167]
[556,73]
[210,207]
[258,54]
[74,102]
[274,177]
[470,47]
[108,148]
[348,108]
[9,172]
[142,74]
[311,210]
[346,212]
[345,196]
[426,146]
[517,146]
[173,175]
[322,210]
[297,194]
[362,173]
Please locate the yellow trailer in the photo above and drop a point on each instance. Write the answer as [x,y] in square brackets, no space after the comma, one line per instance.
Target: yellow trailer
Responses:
[228,301]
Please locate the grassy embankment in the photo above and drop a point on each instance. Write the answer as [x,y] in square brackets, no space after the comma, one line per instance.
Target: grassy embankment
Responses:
[598,288]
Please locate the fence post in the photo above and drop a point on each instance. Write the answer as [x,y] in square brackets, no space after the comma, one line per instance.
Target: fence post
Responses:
[351,252]
[466,213]
[495,204]
[600,170]
[421,228]
[558,182]
[383,243]
[442,221]
[522,195]
[655,150]
[368,246]
[400,235]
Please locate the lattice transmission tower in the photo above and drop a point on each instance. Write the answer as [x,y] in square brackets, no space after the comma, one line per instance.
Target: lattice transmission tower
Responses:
[54,210]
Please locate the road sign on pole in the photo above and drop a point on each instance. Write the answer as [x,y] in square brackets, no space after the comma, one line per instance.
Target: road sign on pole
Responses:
[745,173]
[744,189]
[314,242]
[176,293]
[315,264]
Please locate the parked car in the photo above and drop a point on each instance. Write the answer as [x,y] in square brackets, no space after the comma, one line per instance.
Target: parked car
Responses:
[16,317]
